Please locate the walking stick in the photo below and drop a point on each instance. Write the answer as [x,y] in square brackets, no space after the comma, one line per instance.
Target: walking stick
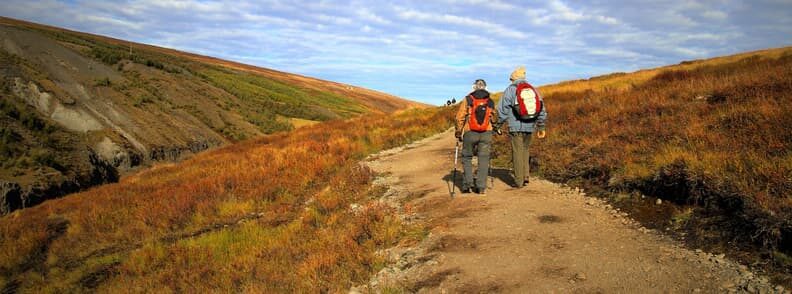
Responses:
[453,178]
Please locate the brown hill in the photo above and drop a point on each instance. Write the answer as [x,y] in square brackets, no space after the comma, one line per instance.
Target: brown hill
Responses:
[710,139]
[78,109]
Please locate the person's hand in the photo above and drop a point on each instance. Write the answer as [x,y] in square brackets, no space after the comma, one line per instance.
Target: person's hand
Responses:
[541,134]
[458,135]
[497,128]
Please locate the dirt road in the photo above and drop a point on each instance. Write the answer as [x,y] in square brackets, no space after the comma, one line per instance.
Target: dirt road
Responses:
[538,239]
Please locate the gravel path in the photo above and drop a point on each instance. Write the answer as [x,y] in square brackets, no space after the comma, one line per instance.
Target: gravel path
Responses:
[538,239]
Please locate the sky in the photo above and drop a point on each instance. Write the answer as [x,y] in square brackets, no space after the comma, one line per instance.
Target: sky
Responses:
[430,51]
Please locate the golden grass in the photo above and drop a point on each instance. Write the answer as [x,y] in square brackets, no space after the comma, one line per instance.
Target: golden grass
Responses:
[265,215]
[714,133]
[298,122]
[625,81]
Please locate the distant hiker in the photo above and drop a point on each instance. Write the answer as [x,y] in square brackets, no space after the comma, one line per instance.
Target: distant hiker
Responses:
[474,121]
[523,108]
[453,100]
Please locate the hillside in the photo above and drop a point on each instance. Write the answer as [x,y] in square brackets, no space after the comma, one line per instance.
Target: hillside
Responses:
[709,138]
[80,109]
[288,212]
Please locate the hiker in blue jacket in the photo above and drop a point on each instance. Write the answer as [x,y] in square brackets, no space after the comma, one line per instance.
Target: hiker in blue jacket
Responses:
[520,131]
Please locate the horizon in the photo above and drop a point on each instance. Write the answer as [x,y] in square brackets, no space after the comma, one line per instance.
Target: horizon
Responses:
[432,52]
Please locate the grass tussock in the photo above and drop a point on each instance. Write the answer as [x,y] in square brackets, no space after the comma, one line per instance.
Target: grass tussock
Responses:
[716,134]
[265,215]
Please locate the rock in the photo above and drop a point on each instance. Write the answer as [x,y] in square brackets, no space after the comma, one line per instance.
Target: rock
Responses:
[580,277]
[659,201]
[751,289]
[727,285]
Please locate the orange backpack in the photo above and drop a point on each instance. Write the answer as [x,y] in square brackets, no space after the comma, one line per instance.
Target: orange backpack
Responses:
[480,111]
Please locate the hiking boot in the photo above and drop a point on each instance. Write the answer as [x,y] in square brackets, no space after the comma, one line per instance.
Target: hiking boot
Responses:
[465,190]
[481,192]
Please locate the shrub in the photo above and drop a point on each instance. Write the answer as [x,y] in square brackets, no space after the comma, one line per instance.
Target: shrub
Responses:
[104,82]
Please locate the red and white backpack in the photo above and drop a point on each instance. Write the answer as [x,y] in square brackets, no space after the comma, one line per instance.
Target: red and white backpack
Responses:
[527,104]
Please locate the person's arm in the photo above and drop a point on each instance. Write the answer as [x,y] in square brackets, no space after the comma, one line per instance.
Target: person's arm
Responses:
[495,117]
[461,116]
[540,121]
[504,104]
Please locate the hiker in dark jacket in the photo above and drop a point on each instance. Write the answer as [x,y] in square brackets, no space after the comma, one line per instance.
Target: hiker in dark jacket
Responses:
[476,132]
[520,131]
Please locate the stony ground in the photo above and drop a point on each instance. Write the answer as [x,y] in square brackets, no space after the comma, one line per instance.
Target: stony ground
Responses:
[541,238]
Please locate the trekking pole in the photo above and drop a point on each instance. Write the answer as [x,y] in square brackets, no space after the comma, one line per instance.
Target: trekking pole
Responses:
[453,177]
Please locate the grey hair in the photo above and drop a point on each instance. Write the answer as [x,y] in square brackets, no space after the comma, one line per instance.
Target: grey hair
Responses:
[479,85]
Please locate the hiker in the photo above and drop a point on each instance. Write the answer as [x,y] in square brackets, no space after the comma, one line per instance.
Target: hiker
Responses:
[453,100]
[474,121]
[525,113]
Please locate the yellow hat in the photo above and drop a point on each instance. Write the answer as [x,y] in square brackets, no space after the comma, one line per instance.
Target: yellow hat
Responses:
[518,73]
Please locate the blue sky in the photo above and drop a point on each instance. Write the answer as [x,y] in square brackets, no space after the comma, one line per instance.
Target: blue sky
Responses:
[430,51]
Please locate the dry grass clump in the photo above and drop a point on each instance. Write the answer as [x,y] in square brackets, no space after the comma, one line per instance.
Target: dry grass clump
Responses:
[265,215]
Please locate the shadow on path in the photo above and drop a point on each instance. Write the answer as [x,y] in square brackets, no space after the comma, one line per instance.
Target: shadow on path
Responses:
[497,176]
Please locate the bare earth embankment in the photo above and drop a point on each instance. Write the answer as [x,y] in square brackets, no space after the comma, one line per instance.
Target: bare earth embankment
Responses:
[542,238]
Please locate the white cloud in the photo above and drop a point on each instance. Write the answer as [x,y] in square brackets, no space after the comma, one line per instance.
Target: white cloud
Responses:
[334,19]
[715,15]
[484,27]
[490,4]
[607,20]
[563,12]
[103,20]
[558,11]
[368,15]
